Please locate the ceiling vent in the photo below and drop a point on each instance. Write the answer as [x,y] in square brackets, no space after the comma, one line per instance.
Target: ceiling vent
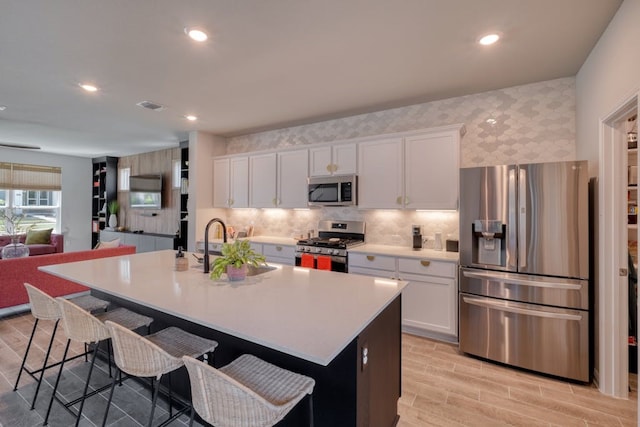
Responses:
[150,105]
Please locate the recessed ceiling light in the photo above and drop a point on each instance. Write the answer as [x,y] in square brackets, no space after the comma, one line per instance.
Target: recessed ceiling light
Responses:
[88,87]
[191,117]
[196,34]
[489,39]
[491,121]
[3,107]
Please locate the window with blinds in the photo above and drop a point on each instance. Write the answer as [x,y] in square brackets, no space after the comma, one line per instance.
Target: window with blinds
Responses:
[15,176]
[32,191]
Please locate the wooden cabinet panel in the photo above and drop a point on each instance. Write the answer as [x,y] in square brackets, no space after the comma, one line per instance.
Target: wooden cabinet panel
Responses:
[293,170]
[380,174]
[431,171]
[262,181]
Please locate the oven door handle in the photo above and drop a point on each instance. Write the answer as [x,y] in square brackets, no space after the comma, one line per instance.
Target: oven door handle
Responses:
[518,281]
[504,306]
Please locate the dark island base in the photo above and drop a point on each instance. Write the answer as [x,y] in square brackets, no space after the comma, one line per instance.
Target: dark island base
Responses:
[360,387]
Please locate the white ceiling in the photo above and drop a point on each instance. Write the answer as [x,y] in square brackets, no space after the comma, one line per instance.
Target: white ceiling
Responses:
[267,64]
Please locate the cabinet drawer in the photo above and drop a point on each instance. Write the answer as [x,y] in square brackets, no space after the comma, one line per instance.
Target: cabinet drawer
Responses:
[385,274]
[380,262]
[426,266]
[280,251]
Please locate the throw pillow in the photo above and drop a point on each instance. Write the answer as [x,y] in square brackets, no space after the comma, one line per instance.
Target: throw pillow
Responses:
[38,237]
[105,245]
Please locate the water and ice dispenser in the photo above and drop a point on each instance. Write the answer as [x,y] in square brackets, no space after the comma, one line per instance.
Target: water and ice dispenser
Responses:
[489,246]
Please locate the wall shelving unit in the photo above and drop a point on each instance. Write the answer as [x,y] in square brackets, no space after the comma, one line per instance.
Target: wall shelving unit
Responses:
[105,187]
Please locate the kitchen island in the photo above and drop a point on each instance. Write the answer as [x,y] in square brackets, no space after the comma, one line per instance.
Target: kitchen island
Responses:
[342,330]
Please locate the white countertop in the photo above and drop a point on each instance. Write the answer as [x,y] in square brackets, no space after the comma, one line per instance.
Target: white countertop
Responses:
[306,313]
[406,252]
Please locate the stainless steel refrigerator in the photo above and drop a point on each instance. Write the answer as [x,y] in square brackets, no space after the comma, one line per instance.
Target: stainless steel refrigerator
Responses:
[524,266]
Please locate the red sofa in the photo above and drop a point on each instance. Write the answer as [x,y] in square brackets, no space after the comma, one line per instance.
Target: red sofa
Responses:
[55,246]
[14,272]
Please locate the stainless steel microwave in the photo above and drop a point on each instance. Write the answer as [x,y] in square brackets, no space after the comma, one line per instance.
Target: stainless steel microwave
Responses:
[337,190]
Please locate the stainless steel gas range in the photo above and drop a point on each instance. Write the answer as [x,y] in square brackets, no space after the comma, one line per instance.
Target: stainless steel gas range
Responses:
[329,250]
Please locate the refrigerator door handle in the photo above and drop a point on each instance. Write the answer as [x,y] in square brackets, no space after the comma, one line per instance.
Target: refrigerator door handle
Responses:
[518,281]
[512,244]
[509,308]
[522,220]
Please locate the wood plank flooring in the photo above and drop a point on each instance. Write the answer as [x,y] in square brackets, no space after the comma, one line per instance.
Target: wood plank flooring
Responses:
[440,387]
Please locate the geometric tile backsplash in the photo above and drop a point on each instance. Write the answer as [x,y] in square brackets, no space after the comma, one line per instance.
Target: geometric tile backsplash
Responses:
[521,124]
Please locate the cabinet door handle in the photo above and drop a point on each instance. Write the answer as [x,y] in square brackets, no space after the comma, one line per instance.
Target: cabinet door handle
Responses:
[329,167]
[407,201]
[399,200]
[274,201]
[230,202]
[370,257]
[425,263]
[279,248]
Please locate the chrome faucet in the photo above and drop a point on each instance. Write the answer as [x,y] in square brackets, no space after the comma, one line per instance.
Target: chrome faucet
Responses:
[206,240]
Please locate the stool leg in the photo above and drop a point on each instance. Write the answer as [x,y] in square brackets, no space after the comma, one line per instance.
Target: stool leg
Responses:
[310,410]
[26,353]
[113,386]
[170,405]
[153,404]
[86,384]
[193,414]
[55,387]
[44,364]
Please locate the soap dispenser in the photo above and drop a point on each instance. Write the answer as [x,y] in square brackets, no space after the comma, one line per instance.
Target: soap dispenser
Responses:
[182,264]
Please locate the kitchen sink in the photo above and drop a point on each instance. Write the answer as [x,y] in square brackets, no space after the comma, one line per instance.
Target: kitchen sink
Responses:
[251,270]
[254,271]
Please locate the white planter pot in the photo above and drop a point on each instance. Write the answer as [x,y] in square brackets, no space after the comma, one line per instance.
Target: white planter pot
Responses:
[113,221]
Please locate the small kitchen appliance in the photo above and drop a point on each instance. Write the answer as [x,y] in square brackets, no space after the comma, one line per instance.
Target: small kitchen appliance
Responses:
[524,266]
[328,251]
[335,190]
[417,237]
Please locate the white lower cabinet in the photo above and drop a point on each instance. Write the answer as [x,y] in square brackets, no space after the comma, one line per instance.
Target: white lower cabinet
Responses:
[280,254]
[373,265]
[430,300]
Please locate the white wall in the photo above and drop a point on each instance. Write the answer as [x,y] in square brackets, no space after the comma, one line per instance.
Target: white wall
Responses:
[202,148]
[609,78]
[76,193]
[610,75]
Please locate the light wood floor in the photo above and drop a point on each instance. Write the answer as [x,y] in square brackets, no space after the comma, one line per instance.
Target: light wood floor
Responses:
[440,387]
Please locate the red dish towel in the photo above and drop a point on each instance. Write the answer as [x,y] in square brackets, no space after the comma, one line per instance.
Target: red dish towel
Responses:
[307,261]
[324,262]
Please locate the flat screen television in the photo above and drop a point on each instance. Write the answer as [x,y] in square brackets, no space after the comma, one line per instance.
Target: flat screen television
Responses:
[145,192]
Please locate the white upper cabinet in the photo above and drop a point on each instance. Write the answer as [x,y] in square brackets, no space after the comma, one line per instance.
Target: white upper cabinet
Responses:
[293,169]
[278,180]
[431,170]
[262,181]
[338,159]
[380,174]
[231,182]
[415,171]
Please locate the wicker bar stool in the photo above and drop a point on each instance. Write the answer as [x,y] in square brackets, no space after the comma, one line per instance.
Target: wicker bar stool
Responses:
[81,326]
[153,356]
[45,307]
[247,392]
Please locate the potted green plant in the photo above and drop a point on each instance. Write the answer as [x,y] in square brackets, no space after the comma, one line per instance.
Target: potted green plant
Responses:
[114,207]
[234,260]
